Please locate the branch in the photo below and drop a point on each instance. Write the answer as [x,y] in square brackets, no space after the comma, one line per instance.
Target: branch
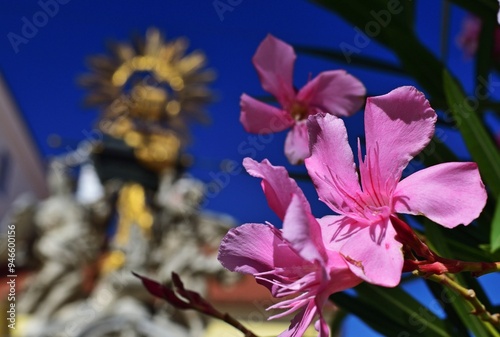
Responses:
[189,300]
[467,294]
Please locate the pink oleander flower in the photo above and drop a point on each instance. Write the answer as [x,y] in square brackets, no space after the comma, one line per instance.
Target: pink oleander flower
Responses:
[398,126]
[289,262]
[468,38]
[335,92]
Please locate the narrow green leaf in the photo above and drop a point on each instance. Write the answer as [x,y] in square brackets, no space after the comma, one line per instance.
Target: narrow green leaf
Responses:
[408,307]
[445,27]
[397,35]
[495,230]
[486,218]
[372,316]
[358,60]
[409,13]
[401,312]
[436,153]
[481,8]
[468,251]
[476,137]
[484,52]
[442,298]
[337,321]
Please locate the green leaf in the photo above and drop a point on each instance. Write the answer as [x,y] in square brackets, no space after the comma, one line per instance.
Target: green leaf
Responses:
[405,304]
[436,153]
[485,48]
[445,27]
[465,244]
[476,137]
[337,321]
[409,13]
[358,60]
[401,312]
[442,298]
[484,54]
[468,251]
[481,8]
[397,35]
[371,315]
[495,230]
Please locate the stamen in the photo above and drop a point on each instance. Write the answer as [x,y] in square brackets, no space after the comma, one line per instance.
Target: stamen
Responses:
[326,181]
[372,168]
[304,287]
[285,313]
[341,188]
[379,173]
[362,166]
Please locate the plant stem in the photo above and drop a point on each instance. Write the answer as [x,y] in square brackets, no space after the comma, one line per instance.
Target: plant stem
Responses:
[470,296]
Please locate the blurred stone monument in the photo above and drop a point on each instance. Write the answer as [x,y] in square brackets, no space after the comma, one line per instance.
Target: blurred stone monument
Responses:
[135,208]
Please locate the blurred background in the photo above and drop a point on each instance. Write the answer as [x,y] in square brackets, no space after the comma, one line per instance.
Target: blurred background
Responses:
[40,76]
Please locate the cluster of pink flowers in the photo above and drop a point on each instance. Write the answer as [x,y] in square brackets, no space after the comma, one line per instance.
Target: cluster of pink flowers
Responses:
[312,258]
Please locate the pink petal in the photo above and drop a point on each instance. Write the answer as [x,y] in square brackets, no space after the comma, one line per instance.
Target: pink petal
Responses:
[331,164]
[301,321]
[332,226]
[278,187]
[335,232]
[256,248]
[297,143]
[341,276]
[398,126]
[322,327]
[302,230]
[274,61]
[258,117]
[377,260]
[449,194]
[335,92]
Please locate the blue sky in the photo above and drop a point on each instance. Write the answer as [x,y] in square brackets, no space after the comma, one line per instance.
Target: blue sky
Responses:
[42,70]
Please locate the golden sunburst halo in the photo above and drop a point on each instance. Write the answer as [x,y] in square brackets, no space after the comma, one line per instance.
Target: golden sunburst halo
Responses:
[157,78]
[149,89]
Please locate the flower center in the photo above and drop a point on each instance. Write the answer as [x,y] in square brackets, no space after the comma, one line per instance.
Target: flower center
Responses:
[376,214]
[298,111]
